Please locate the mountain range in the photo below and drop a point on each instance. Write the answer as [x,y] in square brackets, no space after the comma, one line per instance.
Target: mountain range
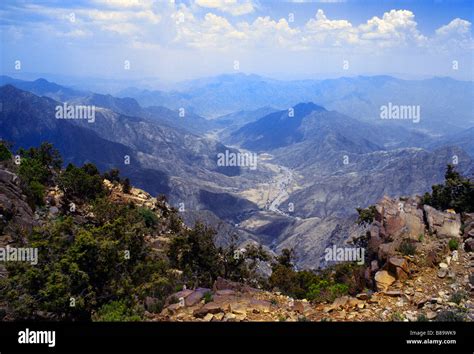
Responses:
[319,155]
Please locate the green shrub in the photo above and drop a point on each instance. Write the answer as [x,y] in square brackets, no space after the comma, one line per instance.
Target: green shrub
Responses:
[33,170]
[456,193]
[422,318]
[149,217]
[83,183]
[450,316]
[367,215]
[195,252]
[407,248]
[36,192]
[116,311]
[5,153]
[397,317]
[324,292]
[208,297]
[453,244]
[457,297]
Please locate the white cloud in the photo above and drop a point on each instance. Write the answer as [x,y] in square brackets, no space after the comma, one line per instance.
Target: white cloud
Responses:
[397,27]
[159,24]
[456,27]
[233,7]
[454,36]
[126,4]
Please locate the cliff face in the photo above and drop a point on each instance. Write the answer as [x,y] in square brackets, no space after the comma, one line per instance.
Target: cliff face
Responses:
[16,216]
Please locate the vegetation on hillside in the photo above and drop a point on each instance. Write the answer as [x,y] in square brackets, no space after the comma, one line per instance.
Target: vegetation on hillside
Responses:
[103,268]
[324,286]
[96,263]
[457,192]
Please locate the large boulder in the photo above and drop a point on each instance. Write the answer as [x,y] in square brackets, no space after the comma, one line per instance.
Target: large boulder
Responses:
[196,296]
[468,226]
[224,284]
[383,280]
[400,217]
[443,224]
[210,307]
[399,267]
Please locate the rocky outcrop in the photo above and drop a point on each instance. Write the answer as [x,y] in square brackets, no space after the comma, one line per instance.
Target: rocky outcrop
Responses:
[443,224]
[15,213]
[400,217]
[383,280]
[468,234]
[399,267]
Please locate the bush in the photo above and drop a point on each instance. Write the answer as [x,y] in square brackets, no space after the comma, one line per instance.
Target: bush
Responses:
[286,280]
[33,170]
[325,286]
[36,192]
[453,244]
[83,183]
[456,193]
[5,153]
[422,318]
[88,264]
[126,187]
[450,316]
[367,215]
[208,297]
[407,248]
[457,297]
[113,175]
[149,217]
[324,292]
[195,252]
[116,311]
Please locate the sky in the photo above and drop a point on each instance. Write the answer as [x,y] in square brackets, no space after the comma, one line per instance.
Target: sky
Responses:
[181,40]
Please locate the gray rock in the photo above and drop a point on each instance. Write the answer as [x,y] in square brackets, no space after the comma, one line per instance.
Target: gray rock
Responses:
[443,224]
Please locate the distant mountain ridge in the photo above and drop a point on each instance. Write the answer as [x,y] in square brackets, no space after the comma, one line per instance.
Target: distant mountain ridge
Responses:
[359,97]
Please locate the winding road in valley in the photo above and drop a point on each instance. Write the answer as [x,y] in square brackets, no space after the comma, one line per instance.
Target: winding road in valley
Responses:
[281,185]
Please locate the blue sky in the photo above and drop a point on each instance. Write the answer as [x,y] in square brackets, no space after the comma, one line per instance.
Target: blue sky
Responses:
[182,40]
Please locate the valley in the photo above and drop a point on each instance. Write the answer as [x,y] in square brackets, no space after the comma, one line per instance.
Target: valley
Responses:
[313,169]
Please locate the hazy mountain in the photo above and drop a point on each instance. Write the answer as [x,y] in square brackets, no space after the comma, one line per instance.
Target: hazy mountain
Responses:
[464,139]
[224,94]
[27,120]
[126,105]
[233,121]
[314,127]
[42,87]
[123,105]
[445,104]
[157,158]
[188,121]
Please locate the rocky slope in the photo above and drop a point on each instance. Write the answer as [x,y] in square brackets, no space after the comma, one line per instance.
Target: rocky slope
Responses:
[433,283]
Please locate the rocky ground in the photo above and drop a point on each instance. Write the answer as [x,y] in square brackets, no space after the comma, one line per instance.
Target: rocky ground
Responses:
[424,296]
[433,283]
